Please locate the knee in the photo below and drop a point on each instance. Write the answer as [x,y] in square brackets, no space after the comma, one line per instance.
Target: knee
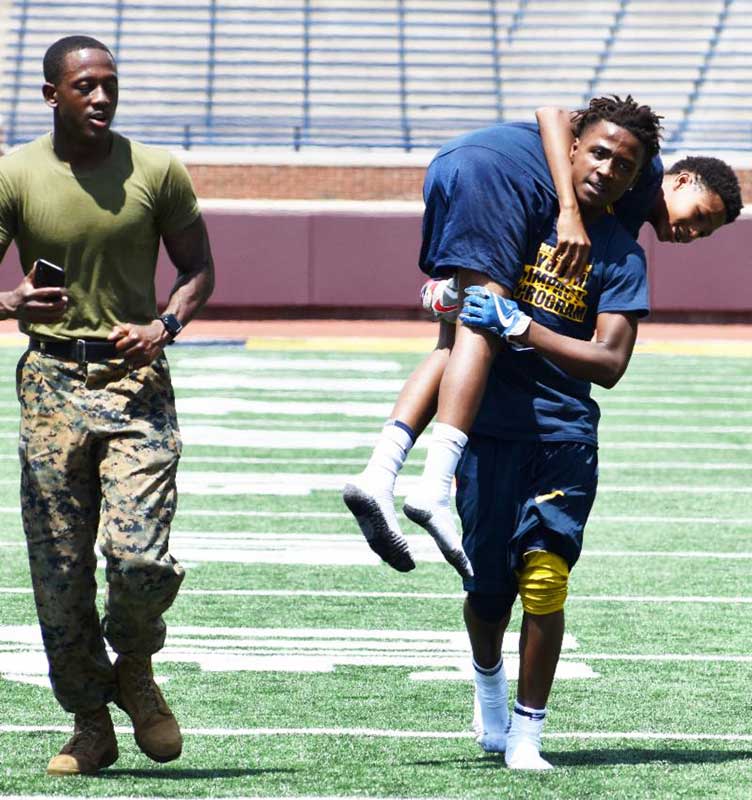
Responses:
[491,608]
[543,582]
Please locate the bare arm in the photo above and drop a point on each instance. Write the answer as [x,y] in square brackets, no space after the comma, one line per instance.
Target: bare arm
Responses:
[190,252]
[44,305]
[573,245]
[603,360]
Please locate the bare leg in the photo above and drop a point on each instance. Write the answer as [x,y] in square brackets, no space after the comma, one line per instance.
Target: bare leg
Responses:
[417,402]
[460,395]
[491,712]
[540,644]
[466,373]
[370,495]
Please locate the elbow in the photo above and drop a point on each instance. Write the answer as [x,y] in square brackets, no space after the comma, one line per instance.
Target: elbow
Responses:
[610,375]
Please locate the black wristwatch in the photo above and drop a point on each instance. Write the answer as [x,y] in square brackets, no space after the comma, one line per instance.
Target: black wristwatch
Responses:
[172,325]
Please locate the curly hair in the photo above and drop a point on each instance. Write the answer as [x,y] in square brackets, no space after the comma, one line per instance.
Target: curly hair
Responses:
[52,64]
[640,121]
[718,177]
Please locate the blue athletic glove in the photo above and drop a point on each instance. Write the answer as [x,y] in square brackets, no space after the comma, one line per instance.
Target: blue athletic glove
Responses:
[492,312]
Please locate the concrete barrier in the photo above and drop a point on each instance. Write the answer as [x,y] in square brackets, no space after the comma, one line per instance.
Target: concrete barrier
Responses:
[362,256]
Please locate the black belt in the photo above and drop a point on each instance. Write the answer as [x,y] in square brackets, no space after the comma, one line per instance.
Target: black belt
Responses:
[81,350]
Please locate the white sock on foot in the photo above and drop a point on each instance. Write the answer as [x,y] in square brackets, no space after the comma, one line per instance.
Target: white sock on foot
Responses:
[524,739]
[492,697]
[388,456]
[429,504]
[378,478]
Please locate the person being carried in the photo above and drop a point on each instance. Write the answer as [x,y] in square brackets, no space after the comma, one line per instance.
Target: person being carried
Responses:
[99,440]
[697,196]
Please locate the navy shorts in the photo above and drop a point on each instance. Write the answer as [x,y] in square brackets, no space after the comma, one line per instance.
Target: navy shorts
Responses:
[515,496]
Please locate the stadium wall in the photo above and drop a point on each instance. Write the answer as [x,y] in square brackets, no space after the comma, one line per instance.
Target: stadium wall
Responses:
[324,181]
[360,260]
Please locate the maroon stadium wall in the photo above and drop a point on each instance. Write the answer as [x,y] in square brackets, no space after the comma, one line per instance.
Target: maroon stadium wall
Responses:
[344,263]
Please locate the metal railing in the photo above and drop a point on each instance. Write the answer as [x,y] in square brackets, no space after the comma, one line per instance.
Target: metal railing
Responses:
[398,74]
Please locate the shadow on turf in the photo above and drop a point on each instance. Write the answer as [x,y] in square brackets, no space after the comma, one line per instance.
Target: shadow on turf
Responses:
[644,755]
[600,758]
[184,774]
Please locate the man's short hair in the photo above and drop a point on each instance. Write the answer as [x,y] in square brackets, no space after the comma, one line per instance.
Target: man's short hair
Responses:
[639,120]
[718,177]
[56,53]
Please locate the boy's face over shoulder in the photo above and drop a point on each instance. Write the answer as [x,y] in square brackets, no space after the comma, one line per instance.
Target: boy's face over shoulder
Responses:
[690,210]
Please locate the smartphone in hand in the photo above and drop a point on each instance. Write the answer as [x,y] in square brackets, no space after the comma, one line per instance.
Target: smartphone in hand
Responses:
[48,274]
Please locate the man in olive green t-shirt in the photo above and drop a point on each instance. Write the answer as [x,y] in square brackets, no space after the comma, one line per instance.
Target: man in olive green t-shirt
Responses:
[99,442]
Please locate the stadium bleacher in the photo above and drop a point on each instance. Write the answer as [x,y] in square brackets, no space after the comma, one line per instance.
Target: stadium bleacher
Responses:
[400,74]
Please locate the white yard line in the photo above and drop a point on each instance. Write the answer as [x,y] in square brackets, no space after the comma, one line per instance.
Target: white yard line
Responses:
[719,466]
[335,593]
[650,519]
[385,733]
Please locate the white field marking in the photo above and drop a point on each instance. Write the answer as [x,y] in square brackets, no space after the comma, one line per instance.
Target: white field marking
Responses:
[222,406]
[605,426]
[336,593]
[684,465]
[336,549]
[691,466]
[688,387]
[389,386]
[303,483]
[267,439]
[249,363]
[431,655]
[266,460]
[229,380]
[342,549]
[642,519]
[609,401]
[377,733]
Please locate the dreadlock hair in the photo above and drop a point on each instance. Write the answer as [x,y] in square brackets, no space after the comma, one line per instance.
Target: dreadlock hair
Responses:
[718,177]
[640,121]
[56,53]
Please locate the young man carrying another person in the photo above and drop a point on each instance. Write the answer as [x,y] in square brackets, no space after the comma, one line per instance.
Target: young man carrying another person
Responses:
[527,480]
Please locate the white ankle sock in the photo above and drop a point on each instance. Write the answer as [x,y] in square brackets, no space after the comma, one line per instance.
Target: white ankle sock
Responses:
[388,456]
[491,691]
[524,739]
[444,452]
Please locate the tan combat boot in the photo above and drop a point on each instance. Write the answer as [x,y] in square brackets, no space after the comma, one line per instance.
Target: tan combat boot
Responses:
[154,726]
[92,747]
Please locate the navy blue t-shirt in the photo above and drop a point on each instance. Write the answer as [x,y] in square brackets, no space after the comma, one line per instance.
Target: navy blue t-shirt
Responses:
[529,397]
[490,202]
[488,195]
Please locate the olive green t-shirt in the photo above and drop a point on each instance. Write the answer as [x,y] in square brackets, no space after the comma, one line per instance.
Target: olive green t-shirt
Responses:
[102,226]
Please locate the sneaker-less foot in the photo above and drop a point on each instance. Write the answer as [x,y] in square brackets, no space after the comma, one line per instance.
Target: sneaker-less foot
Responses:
[438,521]
[154,726]
[523,753]
[377,521]
[92,747]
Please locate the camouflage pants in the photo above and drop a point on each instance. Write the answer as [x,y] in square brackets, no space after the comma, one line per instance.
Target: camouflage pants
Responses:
[99,449]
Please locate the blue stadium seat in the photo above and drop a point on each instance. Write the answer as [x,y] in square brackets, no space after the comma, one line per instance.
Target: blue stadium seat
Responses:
[390,73]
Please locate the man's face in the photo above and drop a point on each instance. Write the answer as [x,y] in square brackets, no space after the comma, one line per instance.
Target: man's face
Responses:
[605,161]
[86,95]
[691,209]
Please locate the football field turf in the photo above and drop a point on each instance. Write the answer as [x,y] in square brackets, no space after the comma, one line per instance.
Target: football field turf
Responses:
[299,665]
